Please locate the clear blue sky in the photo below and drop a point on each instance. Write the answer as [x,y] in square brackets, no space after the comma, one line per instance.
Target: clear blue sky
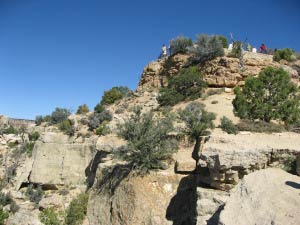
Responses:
[67,52]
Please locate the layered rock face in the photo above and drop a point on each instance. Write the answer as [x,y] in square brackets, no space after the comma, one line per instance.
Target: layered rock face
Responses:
[268,196]
[220,72]
[58,160]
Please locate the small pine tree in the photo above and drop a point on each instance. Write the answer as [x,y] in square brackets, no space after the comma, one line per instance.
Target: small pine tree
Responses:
[271,95]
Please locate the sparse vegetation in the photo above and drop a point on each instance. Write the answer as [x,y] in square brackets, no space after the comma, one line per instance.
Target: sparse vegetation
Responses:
[67,126]
[34,136]
[77,210]
[49,217]
[83,109]
[198,124]
[3,216]
[97,119]
[206,48]
[148,141]
[187,85]
[286,54]
[260,126]
[114,94]
[59,115]
[269,96]
[228,126]
[9,130]
[224,41]
[103,129]
[290,165]
[180,44]
[34,195]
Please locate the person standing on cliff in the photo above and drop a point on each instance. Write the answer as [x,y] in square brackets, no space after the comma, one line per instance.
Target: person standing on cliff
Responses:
[164,51]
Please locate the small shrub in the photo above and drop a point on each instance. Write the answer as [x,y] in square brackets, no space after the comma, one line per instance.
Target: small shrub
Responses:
[198,124]
[224,41]
[83,109]
[34,195]
[99,108]
[49,217]
[180,45]
[228,126]
[77,210]
[114,94]
[34,136]
[67,127]
[14,207]
[148,141]
[103,129]
[5,199]
[3,216]
[38,120]
[206,48]
[214,102]
[188,84]
[271,95]
[97,119]
[285,54]
[10,130]
[237,50]
[259,126]
[84,121]
[216,91]
[59,115]
[29,148]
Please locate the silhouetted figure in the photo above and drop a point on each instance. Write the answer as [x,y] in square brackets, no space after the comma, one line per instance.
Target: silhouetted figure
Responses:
[263,49]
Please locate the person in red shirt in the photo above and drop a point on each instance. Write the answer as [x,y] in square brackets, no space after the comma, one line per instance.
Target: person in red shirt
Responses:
[263,49]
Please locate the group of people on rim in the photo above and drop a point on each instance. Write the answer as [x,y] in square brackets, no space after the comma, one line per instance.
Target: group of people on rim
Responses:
[166,51]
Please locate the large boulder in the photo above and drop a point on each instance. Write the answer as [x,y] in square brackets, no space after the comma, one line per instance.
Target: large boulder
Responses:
[24,217]
[269,196]
[57,160]
[118,198]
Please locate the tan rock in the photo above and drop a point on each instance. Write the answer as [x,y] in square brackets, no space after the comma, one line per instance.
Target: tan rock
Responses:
[268,196]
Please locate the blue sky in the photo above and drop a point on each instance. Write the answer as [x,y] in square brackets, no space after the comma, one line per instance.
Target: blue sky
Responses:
[63,53]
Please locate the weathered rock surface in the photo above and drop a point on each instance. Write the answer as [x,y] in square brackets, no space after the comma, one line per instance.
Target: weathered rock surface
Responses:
[230,157]
[24,217]
[119,198]
[57,160]
[268,196]
[220,72]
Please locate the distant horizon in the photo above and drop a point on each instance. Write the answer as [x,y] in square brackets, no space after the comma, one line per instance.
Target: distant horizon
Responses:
[65,54]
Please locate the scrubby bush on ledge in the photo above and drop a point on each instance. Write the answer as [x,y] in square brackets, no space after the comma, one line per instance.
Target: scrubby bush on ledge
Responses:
[83,109]
[286,54]
[180,45]
[224,40]
[77,210]
[114,94]
[259,126]
[97,119]
[270,96]
[188,84]
[148,141]
[206,48]
[228,126]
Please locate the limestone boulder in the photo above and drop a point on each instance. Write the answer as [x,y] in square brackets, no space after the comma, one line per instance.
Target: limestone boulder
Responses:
[158,198]
[24,217]
[269,196]
[57,160]
[109,143]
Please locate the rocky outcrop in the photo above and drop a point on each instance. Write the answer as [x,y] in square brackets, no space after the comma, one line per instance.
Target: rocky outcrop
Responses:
[156,73]
[230,157]
[268,196]
[24,217]
[57,160]
[122,199]
[220,72]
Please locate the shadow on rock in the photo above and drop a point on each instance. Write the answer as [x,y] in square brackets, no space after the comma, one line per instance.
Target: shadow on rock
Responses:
[90,171]
[182,209]
[293,184]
